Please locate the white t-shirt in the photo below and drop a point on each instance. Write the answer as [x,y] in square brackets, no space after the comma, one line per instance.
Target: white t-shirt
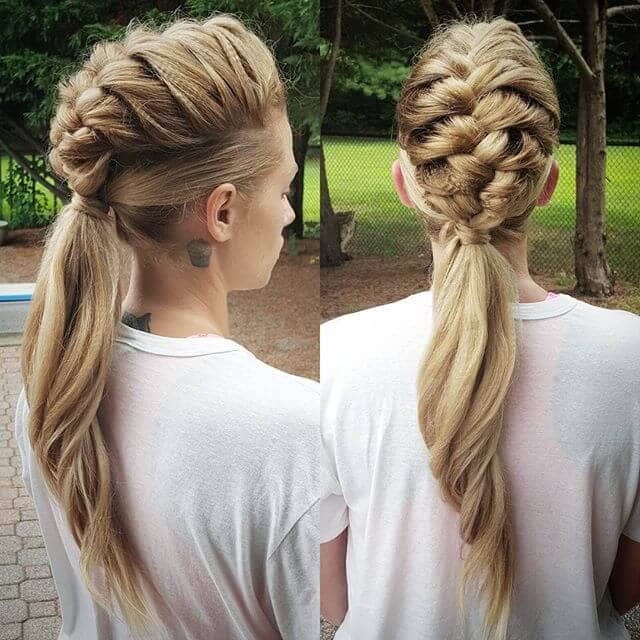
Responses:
[214,461]
[571,449]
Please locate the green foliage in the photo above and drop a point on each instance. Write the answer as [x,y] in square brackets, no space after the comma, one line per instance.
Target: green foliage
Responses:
[28,205]
[43,42]
[28,79]
[561,279]
[381,79]
[311,229]
[380,40]
[293,244]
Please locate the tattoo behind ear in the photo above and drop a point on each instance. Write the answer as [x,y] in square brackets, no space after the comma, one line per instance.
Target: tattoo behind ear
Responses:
[199,252]
[141,323]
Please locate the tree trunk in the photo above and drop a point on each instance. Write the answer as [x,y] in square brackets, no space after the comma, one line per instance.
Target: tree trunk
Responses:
[430,12]
[593,275]
[488,9]
[300,147]
[330,253]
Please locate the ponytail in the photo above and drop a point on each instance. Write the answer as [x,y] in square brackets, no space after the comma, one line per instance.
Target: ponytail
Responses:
[66,354]
[462,385]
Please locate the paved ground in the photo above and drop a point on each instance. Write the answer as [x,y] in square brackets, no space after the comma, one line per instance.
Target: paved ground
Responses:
[28,602]
[327,631]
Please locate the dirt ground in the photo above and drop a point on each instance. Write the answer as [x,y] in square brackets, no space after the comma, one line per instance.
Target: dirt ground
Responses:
[367,281]
[278,323]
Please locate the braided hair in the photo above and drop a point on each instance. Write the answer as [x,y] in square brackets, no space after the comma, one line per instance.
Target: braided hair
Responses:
[478,120]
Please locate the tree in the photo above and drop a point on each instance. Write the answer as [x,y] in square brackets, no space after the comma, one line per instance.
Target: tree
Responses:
[330,252]
[593,274]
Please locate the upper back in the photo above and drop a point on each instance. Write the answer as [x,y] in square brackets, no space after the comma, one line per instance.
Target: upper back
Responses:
[213,465]
[570,448]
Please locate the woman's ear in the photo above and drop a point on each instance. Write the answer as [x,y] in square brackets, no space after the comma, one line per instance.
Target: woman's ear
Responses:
[220,211]
[549,185]
[398,183]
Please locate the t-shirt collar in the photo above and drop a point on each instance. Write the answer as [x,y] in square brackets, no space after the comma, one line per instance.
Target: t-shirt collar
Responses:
[556,306]
[165,345]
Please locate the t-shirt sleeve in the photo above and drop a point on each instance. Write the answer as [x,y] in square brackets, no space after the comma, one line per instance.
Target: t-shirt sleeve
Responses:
[20,427]
[293,576]
[334,513]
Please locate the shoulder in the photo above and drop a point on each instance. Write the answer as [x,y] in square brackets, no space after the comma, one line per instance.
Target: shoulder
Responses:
[609,335]
[306,387]
[278,393]
[386,320]
[287,407]
[378,334]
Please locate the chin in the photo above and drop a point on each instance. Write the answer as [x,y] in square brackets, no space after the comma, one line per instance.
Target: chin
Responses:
[258,283]
[266,280]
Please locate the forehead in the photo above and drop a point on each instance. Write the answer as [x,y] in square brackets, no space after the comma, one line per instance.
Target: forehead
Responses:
[282,130]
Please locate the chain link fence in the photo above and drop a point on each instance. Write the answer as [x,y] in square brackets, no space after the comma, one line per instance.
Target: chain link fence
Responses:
[359,176]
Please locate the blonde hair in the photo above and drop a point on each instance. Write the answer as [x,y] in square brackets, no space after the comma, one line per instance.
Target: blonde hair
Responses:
[143,132]
[478,120]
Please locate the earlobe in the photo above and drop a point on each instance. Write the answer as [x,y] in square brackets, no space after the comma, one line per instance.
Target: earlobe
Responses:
[398,183]
[549,185]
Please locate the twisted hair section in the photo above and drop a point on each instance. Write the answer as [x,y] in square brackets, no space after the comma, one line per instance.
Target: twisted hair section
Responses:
[143,132]
[478,120]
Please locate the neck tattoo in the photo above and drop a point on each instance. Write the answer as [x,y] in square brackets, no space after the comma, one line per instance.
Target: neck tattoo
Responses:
[199,251]
[141,323]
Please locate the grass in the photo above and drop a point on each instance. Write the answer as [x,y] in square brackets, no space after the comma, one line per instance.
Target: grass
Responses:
[358,171]
[311,200]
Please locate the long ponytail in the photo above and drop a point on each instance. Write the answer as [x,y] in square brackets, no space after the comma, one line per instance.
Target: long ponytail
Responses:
[463,382]
[68,341]
[478,119]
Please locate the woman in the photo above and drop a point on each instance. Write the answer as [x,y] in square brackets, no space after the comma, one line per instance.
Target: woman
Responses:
[481,440]
[172,471]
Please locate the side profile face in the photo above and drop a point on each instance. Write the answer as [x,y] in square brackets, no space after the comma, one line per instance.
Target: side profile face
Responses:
[243,235]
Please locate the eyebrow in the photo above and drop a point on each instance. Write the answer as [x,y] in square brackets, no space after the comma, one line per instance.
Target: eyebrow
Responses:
[294,170]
